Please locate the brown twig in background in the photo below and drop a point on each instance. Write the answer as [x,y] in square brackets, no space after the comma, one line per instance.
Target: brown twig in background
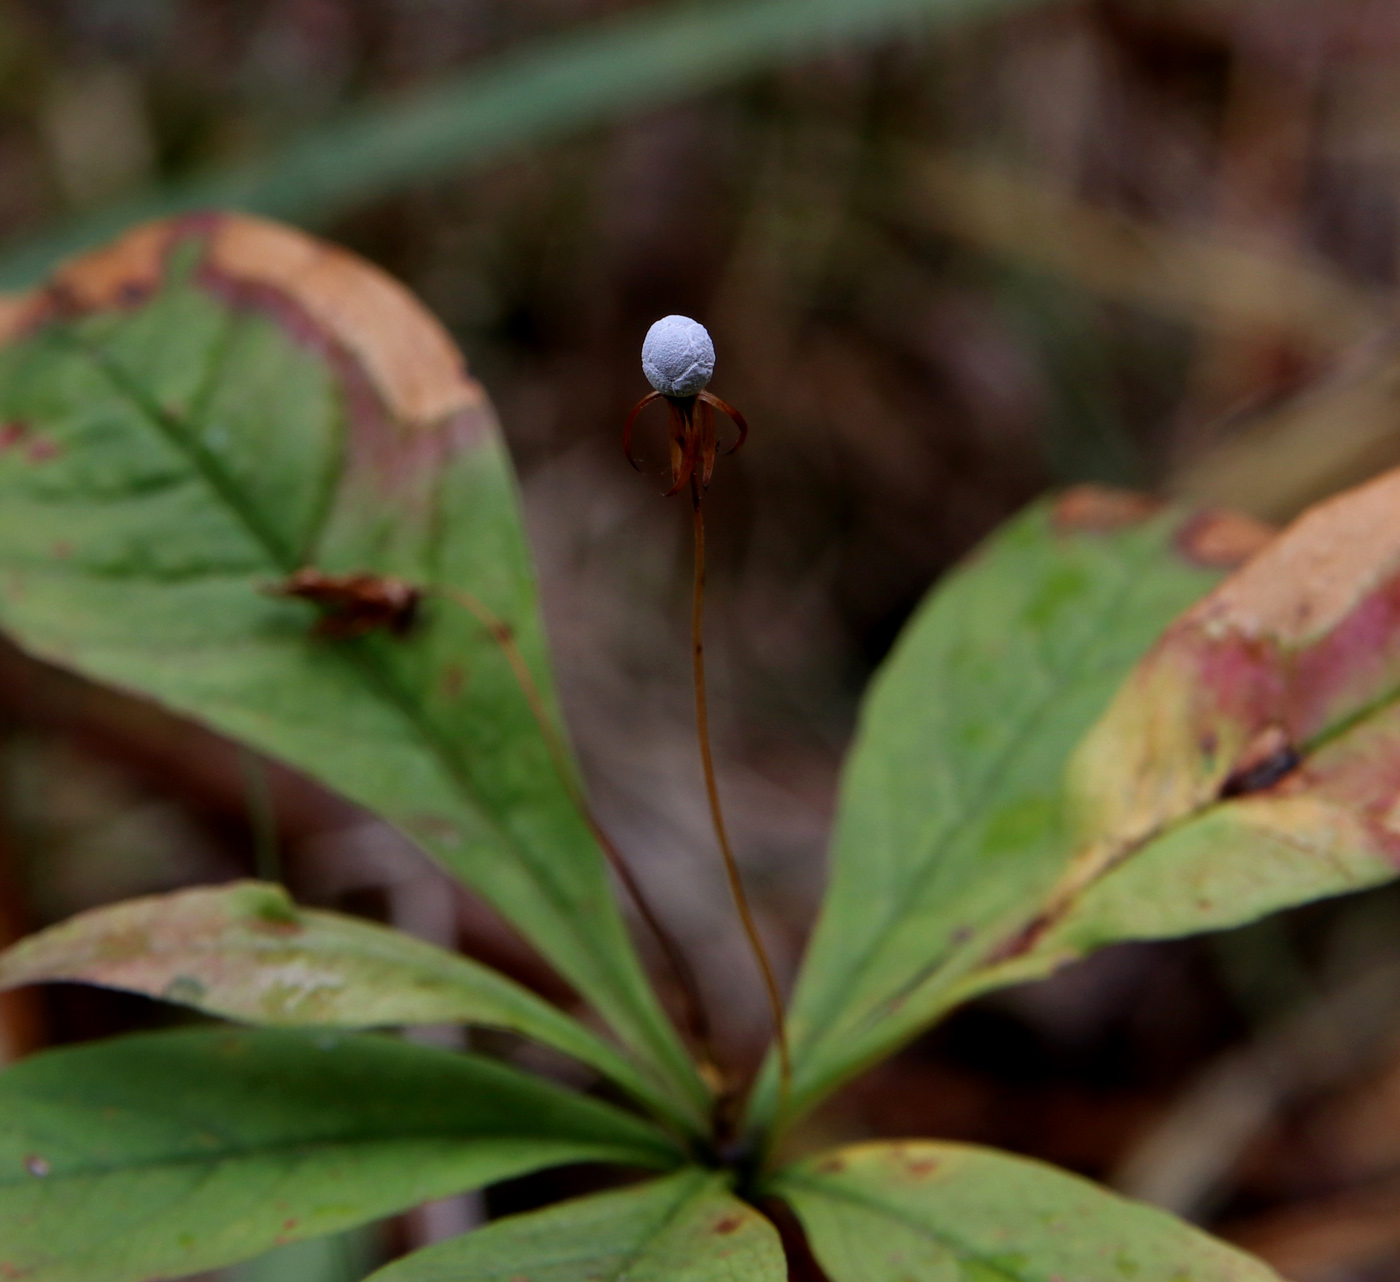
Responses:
[731,866]
[696,1017]
[21,1013]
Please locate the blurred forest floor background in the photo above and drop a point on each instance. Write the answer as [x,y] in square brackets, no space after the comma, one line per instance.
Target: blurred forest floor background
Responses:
[949,259]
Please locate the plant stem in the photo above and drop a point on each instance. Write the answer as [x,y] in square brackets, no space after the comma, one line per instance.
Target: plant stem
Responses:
[696,1017]
[262,817]
[731,866]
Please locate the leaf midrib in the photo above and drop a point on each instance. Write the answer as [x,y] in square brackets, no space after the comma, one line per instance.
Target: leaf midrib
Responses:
[313,1146]
[181,435]
[672,1215]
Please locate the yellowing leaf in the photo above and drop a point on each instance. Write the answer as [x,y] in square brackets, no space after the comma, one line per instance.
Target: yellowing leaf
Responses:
[214,403]
[1261,733]
[248,953]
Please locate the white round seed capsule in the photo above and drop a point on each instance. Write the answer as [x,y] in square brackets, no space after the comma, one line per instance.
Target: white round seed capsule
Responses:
[678,357]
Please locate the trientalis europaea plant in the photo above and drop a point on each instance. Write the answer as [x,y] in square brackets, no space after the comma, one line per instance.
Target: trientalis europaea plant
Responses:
[245,476]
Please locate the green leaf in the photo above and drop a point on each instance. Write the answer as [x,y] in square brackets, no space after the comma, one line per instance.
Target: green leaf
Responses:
[247,952]
[164,1154]
[555,87]
[685,1228]
[204,408]
[950,830]
[341,1257]
[918,1211]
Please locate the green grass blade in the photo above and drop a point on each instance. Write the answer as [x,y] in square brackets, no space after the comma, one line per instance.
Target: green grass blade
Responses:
[555,87]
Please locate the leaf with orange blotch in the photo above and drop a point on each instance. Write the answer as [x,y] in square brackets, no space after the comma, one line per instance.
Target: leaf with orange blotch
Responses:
[918,1211]
[194,414]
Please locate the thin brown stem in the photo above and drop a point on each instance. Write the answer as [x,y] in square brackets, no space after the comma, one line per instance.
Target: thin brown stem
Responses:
[731,866]
[696,1017]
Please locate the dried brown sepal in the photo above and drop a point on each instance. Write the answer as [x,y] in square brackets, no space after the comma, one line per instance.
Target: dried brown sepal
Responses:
[353,605]
[692,437]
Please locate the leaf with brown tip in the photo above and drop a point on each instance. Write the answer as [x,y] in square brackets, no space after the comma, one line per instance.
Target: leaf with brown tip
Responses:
[1262,731]
[212,404]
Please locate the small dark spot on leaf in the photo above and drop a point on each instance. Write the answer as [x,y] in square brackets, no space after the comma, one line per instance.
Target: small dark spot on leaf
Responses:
[435,828]
[289,1225]
[454,677]
[1267,759]
[729,1224]
[921,1166]
[832,1166]
[1023,940]
[36,1166]
[41,451]
[62,550]
[12,433]
[132,292]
